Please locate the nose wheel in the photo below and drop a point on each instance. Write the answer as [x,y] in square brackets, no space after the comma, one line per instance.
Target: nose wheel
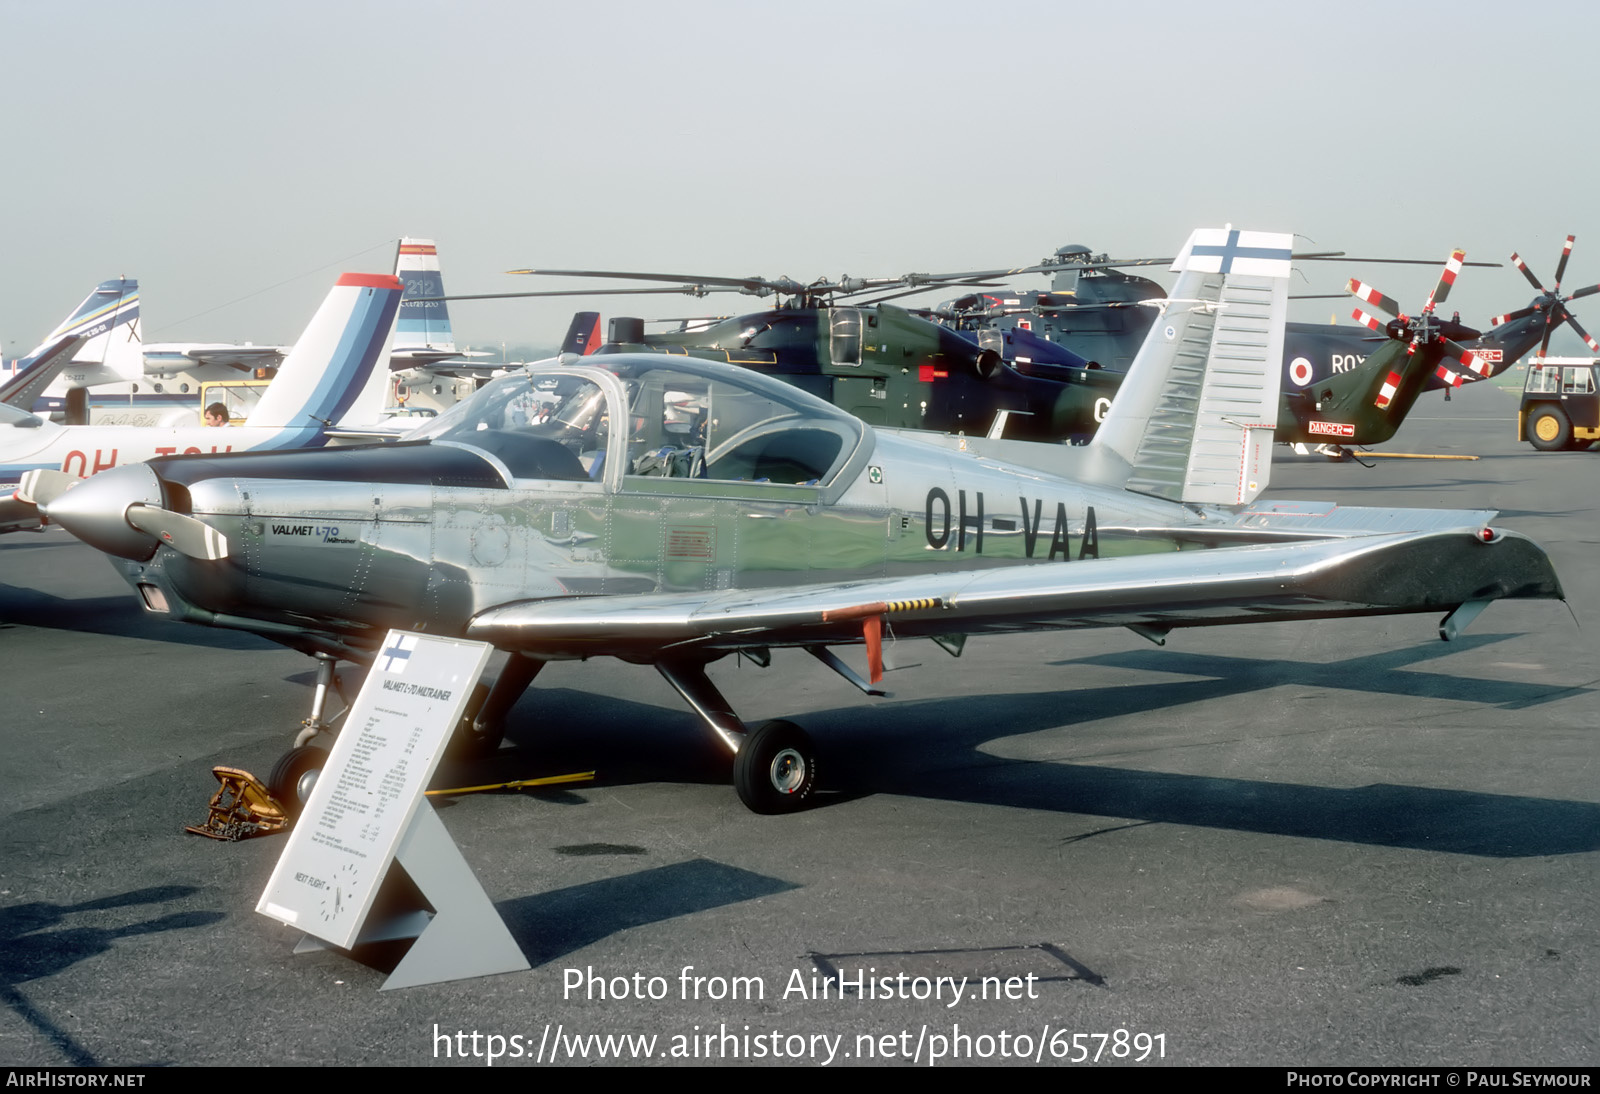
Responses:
[294,775]
[775,769]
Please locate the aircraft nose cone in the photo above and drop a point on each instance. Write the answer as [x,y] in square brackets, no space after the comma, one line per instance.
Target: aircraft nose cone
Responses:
[95,510]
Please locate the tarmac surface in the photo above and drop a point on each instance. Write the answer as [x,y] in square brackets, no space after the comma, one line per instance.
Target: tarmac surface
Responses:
[1336,843]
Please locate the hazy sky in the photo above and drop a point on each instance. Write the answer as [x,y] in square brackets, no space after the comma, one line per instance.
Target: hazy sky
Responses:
[235,157]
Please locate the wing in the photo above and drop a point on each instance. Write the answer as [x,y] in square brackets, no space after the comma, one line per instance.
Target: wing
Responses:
[35,375]
[242,357]
[1372,575]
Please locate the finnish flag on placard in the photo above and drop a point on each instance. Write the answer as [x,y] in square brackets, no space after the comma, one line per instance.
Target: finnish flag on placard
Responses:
[394,656]
[1229,250]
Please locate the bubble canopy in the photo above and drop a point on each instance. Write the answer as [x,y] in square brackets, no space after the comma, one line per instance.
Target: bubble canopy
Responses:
[635,416]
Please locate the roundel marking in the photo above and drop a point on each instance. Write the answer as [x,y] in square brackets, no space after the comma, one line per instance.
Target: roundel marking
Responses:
[1171,333]
[1300,371]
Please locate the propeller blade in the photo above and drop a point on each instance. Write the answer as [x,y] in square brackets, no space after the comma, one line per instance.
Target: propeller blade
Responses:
[1362,291]
[1516,260]
[1454,379]
[1452,267]
[43,485]
[184,534]
[1561,267]
[1589,291]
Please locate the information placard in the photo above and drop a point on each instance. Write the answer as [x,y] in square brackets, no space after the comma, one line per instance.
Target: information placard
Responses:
[364,800]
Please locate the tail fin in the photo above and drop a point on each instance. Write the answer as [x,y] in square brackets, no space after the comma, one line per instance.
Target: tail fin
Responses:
[583,334]
[423,324]
[107,320]
[1193,420]
[336,373]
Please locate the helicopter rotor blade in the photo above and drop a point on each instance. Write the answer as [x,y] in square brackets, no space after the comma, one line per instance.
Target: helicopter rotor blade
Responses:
[1588,340]
[1362,291]
[1395,261]
[682,290]
[755,286]
[1447,278]
[1467,358]
[1516,260]
[1561,267]
[1518,314]
[1368,320]
[926,288]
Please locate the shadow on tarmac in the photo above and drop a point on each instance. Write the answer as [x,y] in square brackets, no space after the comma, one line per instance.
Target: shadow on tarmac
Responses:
[550,925]
[934,749]
[33,945]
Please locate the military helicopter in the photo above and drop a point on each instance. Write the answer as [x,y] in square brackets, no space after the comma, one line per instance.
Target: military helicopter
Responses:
[1011,382]
[877,361]
[1097,311]
[1367,405]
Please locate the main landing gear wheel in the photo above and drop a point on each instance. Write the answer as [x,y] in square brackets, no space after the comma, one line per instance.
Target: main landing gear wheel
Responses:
[775,769]
[294,775]
[1549,431]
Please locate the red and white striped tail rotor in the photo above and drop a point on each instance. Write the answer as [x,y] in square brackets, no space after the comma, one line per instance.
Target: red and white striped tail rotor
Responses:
[1362,291]
[1452,268]
[1386,393]
[1367,319]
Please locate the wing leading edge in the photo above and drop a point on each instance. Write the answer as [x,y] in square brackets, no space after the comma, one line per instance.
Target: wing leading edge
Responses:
[1375,575]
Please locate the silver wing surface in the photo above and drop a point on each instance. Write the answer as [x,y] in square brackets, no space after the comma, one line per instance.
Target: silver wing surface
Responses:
[1432,571]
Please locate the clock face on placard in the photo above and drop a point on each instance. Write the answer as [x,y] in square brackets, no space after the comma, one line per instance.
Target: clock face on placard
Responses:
[340,893]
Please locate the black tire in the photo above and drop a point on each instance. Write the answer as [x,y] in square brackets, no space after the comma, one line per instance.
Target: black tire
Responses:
[294,775]
[776,769]
[474,742]
[1548,429]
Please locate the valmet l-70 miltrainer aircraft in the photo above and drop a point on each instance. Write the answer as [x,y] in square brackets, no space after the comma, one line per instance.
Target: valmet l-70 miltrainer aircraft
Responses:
[673,511]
